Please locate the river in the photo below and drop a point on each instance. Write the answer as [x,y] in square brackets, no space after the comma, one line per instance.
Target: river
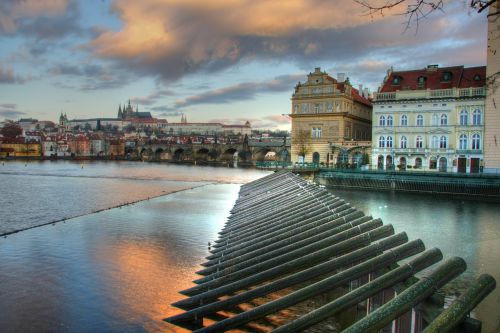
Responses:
[118,270]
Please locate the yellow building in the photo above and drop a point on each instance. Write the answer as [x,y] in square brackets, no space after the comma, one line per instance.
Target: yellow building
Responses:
[492,112]
[331,121]
[19,148]
[430,119]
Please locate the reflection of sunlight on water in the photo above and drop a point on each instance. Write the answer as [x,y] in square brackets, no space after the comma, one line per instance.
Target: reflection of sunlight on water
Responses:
[143,284]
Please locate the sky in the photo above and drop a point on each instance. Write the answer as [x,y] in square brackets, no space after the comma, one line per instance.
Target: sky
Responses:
[213,61]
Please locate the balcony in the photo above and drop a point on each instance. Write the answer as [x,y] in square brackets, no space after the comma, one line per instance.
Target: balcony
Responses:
[430,94]
[469,151]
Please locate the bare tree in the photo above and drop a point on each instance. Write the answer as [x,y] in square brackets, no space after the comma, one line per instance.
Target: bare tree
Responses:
[415,10]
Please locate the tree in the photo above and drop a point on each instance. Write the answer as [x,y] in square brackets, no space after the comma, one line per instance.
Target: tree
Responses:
[11,130]
[415,10]
[301,141]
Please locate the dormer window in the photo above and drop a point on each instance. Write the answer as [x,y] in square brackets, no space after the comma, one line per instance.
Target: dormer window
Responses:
[421,82]
[396,80]
[446,76]
[477,77]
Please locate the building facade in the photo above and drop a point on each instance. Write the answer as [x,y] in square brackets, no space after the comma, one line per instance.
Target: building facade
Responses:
[430,120]
[331,121]
[492,112]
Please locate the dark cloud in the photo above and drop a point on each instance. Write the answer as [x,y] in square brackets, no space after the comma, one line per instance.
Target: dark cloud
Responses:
[200,50]
[10,111]
[241,91]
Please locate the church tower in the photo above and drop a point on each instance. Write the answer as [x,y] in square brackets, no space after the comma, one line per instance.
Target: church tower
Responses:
[120,113]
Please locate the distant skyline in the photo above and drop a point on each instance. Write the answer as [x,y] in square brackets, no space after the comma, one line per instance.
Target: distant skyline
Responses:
[222,60]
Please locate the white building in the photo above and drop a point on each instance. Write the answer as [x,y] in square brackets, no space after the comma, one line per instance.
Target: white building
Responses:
[430,120]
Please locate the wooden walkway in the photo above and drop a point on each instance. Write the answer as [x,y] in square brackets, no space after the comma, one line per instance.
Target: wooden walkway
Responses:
[292,238]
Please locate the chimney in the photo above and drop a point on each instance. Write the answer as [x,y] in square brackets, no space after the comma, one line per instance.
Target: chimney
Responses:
[317,70]
[366,93]
[360,89]
[340,77]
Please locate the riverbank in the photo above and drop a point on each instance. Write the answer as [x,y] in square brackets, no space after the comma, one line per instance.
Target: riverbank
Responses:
[483,185]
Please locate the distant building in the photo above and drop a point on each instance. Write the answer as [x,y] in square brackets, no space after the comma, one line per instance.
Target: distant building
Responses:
[492,111]
[128,112]
[331,121]
[430,119]
[186,128]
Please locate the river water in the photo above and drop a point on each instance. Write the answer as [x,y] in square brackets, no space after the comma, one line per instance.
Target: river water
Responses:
[118,270]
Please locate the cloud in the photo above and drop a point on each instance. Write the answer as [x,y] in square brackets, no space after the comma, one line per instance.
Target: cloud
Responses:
[241,91]
[173,38]
[152,98]
[90,76]
[10,111]
[39,19]
[8,76]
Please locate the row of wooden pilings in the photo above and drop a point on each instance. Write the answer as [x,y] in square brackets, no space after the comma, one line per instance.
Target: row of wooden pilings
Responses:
[285,233]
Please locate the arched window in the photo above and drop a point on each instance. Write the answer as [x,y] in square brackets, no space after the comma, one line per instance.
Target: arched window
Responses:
[381,142]
[435,120]
[444,120]
[433,163]
[443,142]
[464,117]
[420,120]
[419,142]
[476,142]
[462,141]
[389,142]
[381,121]
[404,142]
[476,117]
[389,121]
[418,163]
[404,120]
[435,142]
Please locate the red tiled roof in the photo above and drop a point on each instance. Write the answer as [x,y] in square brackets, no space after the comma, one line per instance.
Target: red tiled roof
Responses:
[460,78]
[355,94]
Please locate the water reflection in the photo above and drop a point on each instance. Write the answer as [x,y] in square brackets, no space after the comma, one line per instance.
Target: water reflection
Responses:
[464,228]
[116,271]
[46,191]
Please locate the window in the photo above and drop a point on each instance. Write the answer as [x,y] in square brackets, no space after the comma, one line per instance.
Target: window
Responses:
[444,120]
[464,117]
[381,121]
[419,142]
[421,82]
[404,142]
[296,108]
[316,108]
[420,120]
[381,142]
[389,142]
[316,132]
[446,77]
[443,142]
[435,142]
[463,141]
[329,106]
[476,117]
[418,163]
[316,91]
[305,107]
[435,119]
[477,77]
[476,142]
[433,163]
[389,121]
[404,120]
[396,80]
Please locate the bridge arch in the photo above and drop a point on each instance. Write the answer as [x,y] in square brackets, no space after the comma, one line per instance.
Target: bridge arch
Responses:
[229,154]
[179,154]
[260,154]
[202,154]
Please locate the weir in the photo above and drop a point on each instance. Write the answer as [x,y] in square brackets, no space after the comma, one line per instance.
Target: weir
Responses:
[289,242]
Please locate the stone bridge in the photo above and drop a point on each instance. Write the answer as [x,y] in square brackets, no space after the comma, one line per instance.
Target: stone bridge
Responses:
[215,152]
